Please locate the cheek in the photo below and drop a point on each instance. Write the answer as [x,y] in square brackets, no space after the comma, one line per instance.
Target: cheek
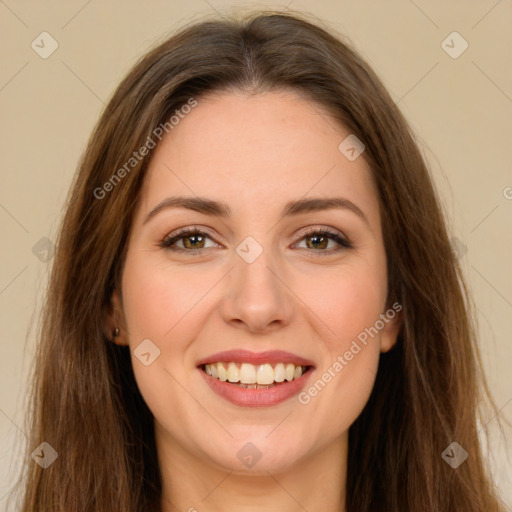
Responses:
[158,304]
[163,303]
[350,301]
[350,306]
[158,296]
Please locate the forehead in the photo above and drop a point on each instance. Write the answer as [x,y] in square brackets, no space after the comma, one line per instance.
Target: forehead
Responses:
[259,151]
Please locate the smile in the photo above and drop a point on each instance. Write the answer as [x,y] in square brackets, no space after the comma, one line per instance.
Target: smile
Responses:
[252,376]
[255,379]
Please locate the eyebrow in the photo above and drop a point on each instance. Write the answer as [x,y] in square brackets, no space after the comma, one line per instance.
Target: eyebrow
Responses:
[221,209]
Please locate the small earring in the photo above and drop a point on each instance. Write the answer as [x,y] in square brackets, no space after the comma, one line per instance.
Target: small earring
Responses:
[115,334]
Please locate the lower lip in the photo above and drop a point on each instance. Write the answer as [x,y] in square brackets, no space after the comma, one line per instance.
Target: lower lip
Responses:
[246,397]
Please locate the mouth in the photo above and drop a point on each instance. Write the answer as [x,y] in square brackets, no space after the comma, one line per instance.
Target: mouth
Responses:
[250,379]
[250,376]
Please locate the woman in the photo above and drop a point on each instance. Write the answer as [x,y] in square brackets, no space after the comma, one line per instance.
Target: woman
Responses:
[254,303]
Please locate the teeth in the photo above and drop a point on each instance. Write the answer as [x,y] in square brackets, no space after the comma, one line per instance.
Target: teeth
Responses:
[223,374]
[279,373]
[289,372]
[233,373]
[265,374]
[246,373]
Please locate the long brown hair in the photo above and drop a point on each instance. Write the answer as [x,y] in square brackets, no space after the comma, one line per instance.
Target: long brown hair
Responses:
[85,401]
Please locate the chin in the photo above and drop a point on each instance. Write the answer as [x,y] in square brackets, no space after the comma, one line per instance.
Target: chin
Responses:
[258,455]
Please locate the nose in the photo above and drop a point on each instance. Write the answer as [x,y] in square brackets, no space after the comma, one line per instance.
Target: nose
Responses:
[257,297]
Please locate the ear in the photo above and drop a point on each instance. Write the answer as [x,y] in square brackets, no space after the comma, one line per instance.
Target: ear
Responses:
[392,319]
[115,324]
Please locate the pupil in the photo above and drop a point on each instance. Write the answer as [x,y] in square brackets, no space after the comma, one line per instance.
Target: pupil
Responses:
[316,238]
[192,237]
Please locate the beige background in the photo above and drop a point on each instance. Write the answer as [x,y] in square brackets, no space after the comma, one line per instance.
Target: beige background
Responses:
[460,109]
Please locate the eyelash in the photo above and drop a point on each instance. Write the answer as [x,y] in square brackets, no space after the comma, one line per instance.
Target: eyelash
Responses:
[167,242]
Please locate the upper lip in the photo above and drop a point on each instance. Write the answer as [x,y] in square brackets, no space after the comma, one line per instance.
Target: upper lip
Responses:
[245,356]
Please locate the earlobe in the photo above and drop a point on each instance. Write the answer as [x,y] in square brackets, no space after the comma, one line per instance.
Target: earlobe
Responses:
[116,336]
[115,330]
[389,334]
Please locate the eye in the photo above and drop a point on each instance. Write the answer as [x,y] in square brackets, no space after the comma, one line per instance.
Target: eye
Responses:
[318,240]
[192,241]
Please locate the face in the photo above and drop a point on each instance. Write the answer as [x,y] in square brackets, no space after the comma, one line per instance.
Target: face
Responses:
[258,277]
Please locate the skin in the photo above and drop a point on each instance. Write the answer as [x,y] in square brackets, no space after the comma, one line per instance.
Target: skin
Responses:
[255,153]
